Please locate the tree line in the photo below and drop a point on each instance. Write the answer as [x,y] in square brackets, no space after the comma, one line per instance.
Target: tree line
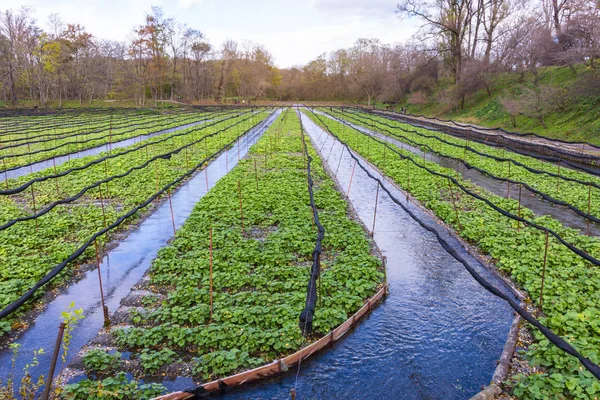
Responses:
[461,43]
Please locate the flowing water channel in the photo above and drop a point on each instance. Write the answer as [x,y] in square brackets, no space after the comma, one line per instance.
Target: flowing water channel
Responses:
[122,267]
[437,335]
[529,200]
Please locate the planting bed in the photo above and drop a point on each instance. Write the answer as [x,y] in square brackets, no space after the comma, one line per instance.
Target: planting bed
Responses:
[233,289]
[263,237]
[46,224]
[571,292]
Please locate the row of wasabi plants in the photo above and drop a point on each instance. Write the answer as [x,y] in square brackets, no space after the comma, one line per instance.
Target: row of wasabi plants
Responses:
[30,248]
[257,226]
[572,285]
[28,152]
[585,197]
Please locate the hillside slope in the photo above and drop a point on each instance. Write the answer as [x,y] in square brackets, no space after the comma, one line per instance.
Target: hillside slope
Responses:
[576,117]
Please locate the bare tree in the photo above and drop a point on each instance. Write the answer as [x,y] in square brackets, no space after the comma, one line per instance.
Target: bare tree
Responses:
[538,102]
[446,20]
[512,107]
[16,28]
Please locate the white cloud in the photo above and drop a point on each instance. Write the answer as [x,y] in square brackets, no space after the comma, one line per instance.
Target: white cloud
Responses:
[298,46]
[379,8]
[185,4]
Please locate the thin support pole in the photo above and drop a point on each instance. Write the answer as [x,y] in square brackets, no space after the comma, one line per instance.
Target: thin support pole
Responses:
[375,210]
[241,207]
[102,204]
[156,175]
[106,176]
[104,307]
[519,210]
[5,173]
[210,273]
[34,207]
[330,150]
[589,206]
[171,207]
[541,302]
[454,204]
[256,174]
[187,165]
[206,177]
[350,183]
[508,182]
[557,180]
[56,180]
[340,161]
[59,338]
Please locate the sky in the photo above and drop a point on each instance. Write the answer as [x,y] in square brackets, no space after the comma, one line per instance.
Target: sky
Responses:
[294,32]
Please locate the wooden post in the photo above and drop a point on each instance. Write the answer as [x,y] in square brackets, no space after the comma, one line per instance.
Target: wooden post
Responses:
[210,276]
[156,174]
[241,207]
[59,337]
[589,206]
[256,174]
[557,179]
[384,152]
[206,177]
[519,210]
[5,173]
[56,180]
[508,182]
[340,161]
[102,204]
[331,150]
[408,186]
[34,207]
[350,183]
[104,307]
[375,211]
[187,165]
[106,176]
[325,141]
[454,204]
[541,302]
[171,207]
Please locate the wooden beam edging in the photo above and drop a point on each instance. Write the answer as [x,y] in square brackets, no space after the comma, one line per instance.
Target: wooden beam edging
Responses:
[489,392]
[279,366]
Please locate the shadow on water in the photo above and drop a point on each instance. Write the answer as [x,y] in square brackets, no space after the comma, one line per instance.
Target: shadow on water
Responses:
[437,335]
[529,199]
[121,268]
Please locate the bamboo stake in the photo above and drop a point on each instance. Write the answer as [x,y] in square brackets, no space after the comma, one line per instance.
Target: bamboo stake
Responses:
[340,161]
[211,272]
[256,174]
[454,204]
[102,204]
[350,183]
[519,210]
[59,337]
[375,211]
[34,207]
[206,176]
[541,302]
[241,207]
[171,207]
[104,307]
